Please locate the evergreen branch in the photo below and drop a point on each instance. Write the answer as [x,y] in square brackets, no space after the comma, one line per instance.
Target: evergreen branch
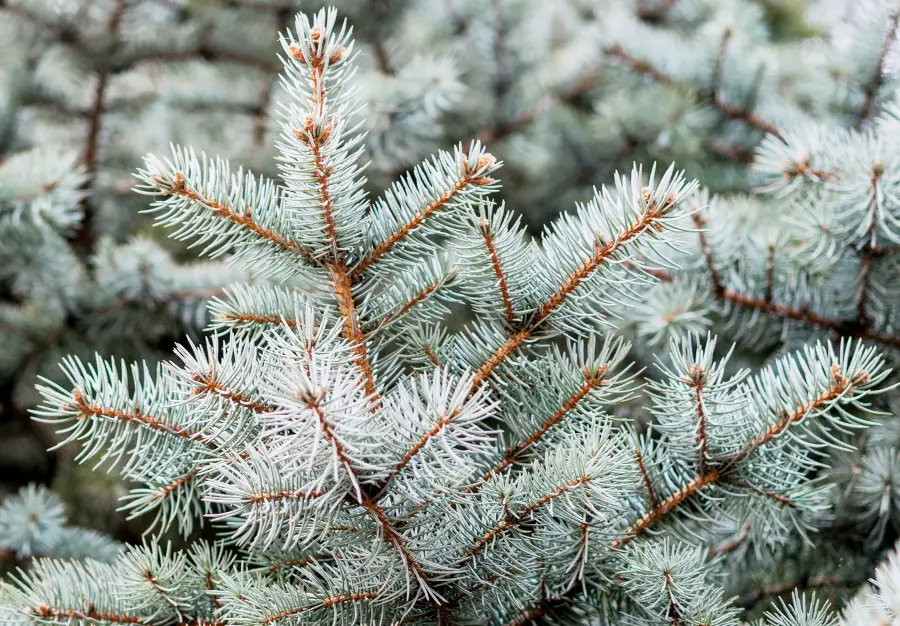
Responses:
[511,521]
[512,454]
[292,563]
[673,612]
[782,311]
[602,253]
[472,178]
[179,187]
[645,477]
[839,387]
[862,291]
[274,496]
[252,318]
[667,506]
[410,303]
[326,602]
[322,172]
[732,111]
[774,309]
[731,544]
[179,483]
[48,612]
[328,432]
[431,355]
[871,88]
[442,422]
[394,539]
[86,410]
[698,380]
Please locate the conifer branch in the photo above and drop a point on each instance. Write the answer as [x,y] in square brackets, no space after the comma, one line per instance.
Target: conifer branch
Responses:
[470,178]
[512,454]
[209,385]
[698,381]
[645,477]
[839,387]
[179,483]
[179,187]
[602,253]
[442,422]
[733,543]
[732,111]
[44,611]
[327,602]
[86,410]
[673,612]
[409,304]
[521,516]
[252,318]
[394,539]
[774,309]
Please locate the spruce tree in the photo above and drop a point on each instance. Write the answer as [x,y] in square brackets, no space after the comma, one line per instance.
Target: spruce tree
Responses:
[362,460]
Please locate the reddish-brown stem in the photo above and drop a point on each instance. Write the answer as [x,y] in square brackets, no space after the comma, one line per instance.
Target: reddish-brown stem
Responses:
[868,254]
[698,377]
[343,291]
[502,285]
[44,611]
[209,385]
[396,540]
[275,496]
[839,386]
[323,173]
[645,477]
[712,476]
[732,543]
[274,567]
[673,606]
[175,485]
[431,355]
[408,305]
[666,506]
[732,111]
[432,432]
[251,318]
[700,222]
[328,433]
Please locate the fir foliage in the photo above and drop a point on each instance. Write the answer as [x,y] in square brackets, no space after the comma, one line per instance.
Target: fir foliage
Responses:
[362,462]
